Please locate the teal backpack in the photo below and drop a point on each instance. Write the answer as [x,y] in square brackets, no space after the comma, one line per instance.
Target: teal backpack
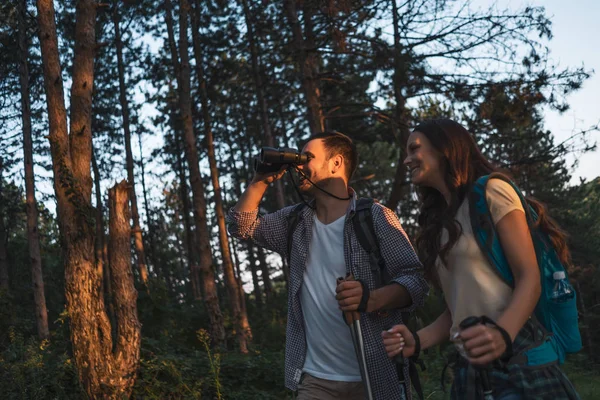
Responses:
[559,319]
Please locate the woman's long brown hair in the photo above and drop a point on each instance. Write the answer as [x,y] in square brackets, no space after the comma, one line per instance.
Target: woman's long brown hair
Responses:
[462,163]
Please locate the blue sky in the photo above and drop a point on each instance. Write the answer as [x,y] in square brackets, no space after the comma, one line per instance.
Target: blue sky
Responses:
[576,30]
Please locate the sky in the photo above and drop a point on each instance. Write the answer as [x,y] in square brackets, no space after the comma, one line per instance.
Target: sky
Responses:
[576,31]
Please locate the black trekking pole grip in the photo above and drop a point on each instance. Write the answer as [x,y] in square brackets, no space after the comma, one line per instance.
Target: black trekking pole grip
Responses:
[483,372]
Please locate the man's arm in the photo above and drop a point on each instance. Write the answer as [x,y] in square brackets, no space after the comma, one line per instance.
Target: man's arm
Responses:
[243,222]
[407,288]
[251,197]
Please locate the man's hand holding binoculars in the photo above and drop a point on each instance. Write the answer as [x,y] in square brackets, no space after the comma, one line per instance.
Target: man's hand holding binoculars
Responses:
[269,166]
[269,177]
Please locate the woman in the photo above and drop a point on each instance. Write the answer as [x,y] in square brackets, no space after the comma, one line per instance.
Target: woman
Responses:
[444,163]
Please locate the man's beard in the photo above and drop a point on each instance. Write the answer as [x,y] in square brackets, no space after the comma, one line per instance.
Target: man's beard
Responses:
[305,186]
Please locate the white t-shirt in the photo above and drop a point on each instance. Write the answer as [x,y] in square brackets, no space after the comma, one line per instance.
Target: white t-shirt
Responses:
[471,286]
[330,353]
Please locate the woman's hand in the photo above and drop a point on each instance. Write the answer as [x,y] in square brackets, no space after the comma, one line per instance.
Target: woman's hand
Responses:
[398,339]
[483,344]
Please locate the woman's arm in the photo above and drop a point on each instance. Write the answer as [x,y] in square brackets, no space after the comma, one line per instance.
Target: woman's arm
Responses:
[517,244]
[485,344]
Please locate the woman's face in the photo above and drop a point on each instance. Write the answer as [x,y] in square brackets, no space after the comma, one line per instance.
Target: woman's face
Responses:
[423,161]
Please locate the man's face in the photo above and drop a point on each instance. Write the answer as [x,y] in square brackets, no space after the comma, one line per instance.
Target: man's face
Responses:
[317,166]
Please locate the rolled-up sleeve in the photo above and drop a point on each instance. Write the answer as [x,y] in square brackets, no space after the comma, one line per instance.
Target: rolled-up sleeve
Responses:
[269,230]
[401,261]
[240,224]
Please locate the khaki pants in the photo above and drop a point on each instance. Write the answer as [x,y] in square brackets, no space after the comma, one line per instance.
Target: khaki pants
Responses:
[311,388]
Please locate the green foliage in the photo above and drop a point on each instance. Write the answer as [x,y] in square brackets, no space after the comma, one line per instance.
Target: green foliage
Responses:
[30,369]
[584,375]
[33,370]
[214,361]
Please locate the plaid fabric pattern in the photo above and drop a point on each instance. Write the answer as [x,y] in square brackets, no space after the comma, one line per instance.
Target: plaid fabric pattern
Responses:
[546,382]
[402,264]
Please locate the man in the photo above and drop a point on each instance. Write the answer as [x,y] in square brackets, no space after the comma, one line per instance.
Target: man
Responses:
[320,360]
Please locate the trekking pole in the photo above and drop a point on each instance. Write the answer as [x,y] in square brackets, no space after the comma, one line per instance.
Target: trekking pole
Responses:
[483,372]
[352,319]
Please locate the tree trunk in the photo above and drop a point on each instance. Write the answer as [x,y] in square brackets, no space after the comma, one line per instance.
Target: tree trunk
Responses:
[307,59]
[238,277]
[3,238]
[401,187]
[255,281]
[126,358]
[242,326]
[136,229]
[583,323]
[101,247]
[177,275]
[195,276]
[264,268]
[33,239]
[3,255]
[149,221]
[102,372]
[262,101]
[182,72]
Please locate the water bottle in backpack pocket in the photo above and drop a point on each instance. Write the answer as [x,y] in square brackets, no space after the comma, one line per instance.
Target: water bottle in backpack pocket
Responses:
[562,291]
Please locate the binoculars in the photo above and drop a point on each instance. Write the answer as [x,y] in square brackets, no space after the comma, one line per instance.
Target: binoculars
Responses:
[271,159]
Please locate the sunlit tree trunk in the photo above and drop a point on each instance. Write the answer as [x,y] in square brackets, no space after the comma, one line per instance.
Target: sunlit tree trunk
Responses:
[242,326]
[182,71]
[124,362]
[136,229]
[103,372]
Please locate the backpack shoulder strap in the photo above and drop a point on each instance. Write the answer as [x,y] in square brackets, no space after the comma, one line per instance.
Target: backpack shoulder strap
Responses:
[292,222]
[484,230]
[365,233]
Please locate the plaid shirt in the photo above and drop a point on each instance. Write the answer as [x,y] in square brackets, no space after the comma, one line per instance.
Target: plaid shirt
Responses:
[402,264]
